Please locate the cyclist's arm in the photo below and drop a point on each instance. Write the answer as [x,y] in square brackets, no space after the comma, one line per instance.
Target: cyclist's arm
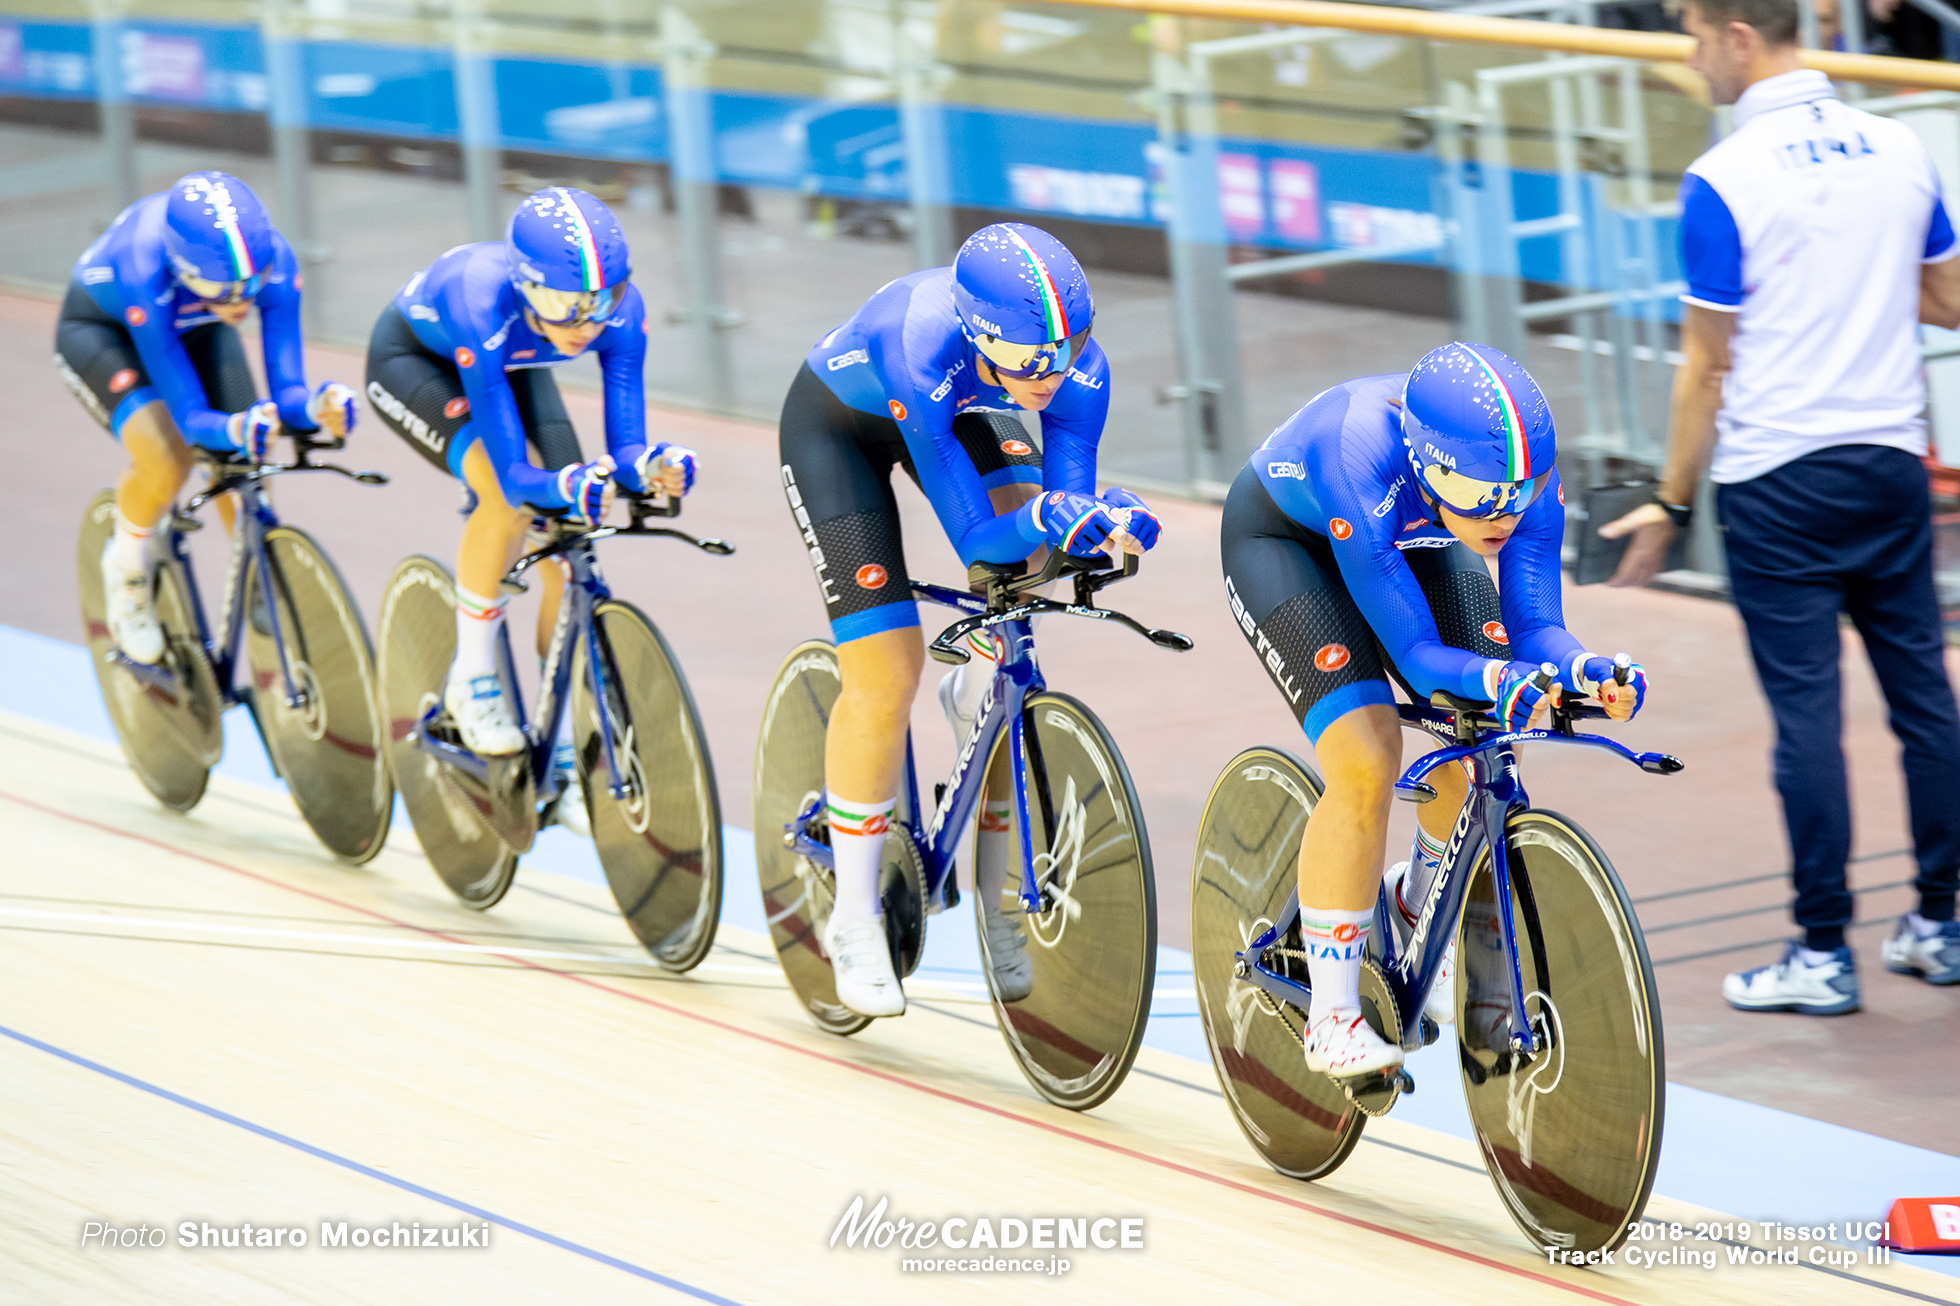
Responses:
[283,342]
[175,378]
[622,362]
[1072,426]
[495,420]
[1528,595]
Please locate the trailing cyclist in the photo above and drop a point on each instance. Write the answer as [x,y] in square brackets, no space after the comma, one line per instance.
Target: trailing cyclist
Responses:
[924,376]
[148,341]
[458,367]
[1353,550]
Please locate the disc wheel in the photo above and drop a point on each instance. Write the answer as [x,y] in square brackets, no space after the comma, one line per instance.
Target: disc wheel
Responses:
[172,734]
[1093,947]
[1571,1136]
[660,838]
[797,894]
[329,744]
[418,642]
[1242,882]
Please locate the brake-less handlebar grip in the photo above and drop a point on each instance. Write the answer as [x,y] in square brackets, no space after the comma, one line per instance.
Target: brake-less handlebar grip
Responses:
[1622,668]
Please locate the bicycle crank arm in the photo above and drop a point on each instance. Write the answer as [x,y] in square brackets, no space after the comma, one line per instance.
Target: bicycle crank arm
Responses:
[155,675]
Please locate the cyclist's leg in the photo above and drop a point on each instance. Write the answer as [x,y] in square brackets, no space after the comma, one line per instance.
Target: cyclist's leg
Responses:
[1289,601]
[554,444]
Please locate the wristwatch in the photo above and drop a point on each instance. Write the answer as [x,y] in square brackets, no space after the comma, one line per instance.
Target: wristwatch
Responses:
[1679,514]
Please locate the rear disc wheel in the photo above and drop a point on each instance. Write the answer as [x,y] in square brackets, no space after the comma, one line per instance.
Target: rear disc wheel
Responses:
[1242,882]
[418,642]
[659,839]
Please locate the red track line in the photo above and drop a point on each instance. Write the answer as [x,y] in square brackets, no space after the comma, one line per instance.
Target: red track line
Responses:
[886,1076]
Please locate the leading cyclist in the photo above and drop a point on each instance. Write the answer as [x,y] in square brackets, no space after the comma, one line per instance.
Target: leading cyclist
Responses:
[904,382]
[458,366]
[1353,549]
[148,341]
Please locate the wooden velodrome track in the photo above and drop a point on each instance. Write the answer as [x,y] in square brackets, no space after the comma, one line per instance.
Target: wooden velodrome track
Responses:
[204,1019]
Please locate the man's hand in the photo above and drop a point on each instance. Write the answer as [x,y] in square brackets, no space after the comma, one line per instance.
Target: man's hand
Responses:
[1653,533]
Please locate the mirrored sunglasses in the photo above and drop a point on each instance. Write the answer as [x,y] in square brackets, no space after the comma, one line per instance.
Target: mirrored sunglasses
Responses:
[1026,362]
[1469,497]
[569,307]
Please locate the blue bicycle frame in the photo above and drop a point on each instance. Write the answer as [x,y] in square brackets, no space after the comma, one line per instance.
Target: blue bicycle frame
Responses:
[248,553]
[1495,792]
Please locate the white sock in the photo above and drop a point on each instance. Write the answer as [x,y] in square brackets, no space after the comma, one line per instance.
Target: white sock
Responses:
[129,549]
[971,678]
[857,843]
[1336,941]
[477,622]
[1921,927]
[996,855]
[1812,957]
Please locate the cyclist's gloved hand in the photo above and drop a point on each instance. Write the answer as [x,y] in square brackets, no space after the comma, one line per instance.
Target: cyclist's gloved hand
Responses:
[254,430]
[1074,523]
[667,468]
[332,408]
[1520,688]
[588,489]
[1597,673]
[1143,525]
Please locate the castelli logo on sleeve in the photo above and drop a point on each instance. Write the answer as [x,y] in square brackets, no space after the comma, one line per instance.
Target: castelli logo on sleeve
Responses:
[1056,497]
[1494,632]
[135,316]
[464,356]
[871,576]
[1016,448]
[1346,932]
[122,380]
[1331,657]
[1340,528]
[1561,496]
[898,409]
[456,407]
[299,281]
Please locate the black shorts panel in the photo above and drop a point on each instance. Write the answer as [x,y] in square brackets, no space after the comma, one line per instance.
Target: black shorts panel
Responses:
[998,443]
[1291,603]
[99,363]
[418,394]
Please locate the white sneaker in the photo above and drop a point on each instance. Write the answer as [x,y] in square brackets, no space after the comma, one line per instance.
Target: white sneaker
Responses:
[1007,954]
[861,967]
[1440,1005]
[1798,982]
[1934,957]
[569,809]
[481,710]
[132,611]
[1343,1044]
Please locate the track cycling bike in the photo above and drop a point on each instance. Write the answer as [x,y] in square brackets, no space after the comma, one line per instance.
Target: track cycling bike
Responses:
[1086,896]
[643,765]
[307,662]
[1557,1020]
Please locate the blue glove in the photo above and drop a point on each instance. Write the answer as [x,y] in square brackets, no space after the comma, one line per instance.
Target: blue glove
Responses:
[1074,523]
[1519,694]
[587,489]
[254,430]
[328,398]
[649,465]
[1143,526]
[1596,671]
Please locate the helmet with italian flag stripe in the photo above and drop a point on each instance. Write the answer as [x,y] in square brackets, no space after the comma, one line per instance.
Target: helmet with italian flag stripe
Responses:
[217,235]
[1022,299]
[1478,430]
[567,255]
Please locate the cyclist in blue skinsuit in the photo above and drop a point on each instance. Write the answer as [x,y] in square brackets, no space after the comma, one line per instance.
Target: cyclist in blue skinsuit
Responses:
[148,342]
[1353,549]
[930,375]
[459,367]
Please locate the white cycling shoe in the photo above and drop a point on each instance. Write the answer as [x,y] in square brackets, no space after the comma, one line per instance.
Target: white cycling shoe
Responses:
[861,967]
[1344,1045]
[1440,1005]
[1007,954]
[569,809]
[480,707]
[131,611]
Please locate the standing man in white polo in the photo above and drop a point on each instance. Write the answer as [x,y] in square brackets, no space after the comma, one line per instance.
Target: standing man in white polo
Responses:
[1814,240]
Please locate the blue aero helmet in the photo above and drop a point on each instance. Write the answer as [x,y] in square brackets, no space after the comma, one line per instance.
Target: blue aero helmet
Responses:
[217,236]
[1022,299]
[1478,430]
[567,256]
